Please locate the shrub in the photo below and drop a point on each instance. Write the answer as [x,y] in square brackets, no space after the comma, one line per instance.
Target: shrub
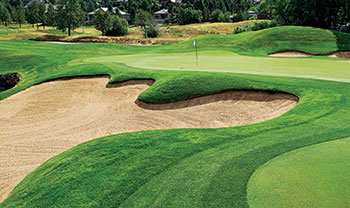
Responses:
[119,26]
[151,31]
[256,26]
[214,16]
[224,17]
[188,16]
[218,16]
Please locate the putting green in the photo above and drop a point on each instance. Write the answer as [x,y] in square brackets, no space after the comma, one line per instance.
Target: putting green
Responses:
[226,61]
[314,176]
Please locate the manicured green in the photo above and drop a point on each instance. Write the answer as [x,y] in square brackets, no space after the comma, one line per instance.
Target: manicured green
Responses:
[225,61]
[178,167]
[314,176]
[262,43]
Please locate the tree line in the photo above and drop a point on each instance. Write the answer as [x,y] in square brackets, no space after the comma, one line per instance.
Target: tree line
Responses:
[317,13]
[70,14]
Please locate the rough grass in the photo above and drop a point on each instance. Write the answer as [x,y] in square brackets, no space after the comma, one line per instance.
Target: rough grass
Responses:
[168,34]
[169,168]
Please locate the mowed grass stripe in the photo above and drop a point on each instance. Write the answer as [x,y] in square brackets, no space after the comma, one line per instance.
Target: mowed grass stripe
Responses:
[317,175]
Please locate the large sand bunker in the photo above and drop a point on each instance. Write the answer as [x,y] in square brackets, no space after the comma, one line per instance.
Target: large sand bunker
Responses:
[47,119]
[339,54]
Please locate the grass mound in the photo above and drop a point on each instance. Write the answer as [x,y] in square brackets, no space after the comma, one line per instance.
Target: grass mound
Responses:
[284,38]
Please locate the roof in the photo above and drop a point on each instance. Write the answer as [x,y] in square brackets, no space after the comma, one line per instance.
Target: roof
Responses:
[37,1]
[122,12]
[105,9]
[162,11]
[55,7]
[172,1]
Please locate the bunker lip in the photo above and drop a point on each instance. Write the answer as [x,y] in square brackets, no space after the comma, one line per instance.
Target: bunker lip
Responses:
[213,98]
[50,118]
[338,54]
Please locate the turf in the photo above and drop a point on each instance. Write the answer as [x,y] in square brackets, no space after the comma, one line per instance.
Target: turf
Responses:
[178,167]
[297,175]
[310,40]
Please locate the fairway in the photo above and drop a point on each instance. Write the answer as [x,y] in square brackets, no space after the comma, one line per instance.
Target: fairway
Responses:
[298,175]
[133,126]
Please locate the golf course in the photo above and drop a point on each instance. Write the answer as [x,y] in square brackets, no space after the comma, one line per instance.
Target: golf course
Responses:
[235,124]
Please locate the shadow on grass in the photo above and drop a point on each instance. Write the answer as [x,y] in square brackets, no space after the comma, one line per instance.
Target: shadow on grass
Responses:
[343,40]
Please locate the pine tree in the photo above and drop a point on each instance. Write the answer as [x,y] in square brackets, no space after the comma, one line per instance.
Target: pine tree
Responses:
[102,21]
[41,15]
[32,14]
[7,17]
[21,19]
[145,5]
[142,18]
[13,13]
[70,16]
[51,15]
[132,9]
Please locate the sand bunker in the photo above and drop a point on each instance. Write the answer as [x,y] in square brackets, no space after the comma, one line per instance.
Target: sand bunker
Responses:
[47,119]
[340,54]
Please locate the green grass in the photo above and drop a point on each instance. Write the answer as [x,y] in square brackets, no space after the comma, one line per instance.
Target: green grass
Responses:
[261,43]
[314,176]
[182,167]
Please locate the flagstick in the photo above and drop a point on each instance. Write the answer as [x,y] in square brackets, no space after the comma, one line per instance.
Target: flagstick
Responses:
[195,45]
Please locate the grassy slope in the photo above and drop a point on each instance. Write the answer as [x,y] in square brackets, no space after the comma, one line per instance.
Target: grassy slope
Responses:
[212,57]
[183,167]
[297,175]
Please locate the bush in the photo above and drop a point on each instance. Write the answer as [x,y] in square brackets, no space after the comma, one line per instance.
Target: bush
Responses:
[256,26]
[188,16]
[151,31]
[240,16]
[218,16]
[119,27]
[214,16]
[224,17]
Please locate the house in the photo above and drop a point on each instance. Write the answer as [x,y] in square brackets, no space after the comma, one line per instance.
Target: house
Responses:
[125,15]
[55,7]
[252,13]
[36,1]
[256,2]
[116,10]
[161,15]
